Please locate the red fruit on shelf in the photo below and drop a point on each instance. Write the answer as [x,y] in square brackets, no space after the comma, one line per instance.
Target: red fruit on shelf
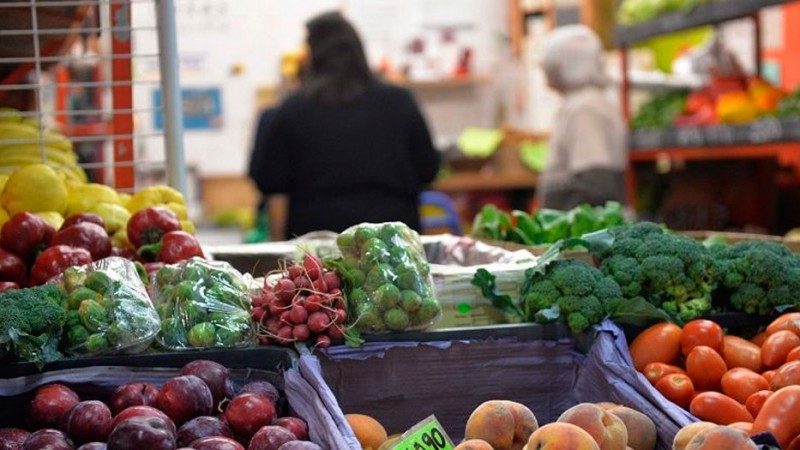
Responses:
[51,404]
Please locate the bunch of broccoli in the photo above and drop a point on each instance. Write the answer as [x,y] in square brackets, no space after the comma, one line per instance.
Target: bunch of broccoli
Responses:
[758,277]
[674,273]
[572,290]
[30,323]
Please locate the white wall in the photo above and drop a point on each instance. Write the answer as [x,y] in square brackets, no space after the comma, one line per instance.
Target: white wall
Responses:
[217,35]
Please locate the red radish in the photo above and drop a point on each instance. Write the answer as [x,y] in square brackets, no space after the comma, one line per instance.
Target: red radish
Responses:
[338,303]
[301,332]
[339,316]
[336,332]
[273,325]
[323,341]
[332,280]
[320,286]
[313,303]
[284,290]
[286,317]
[275,309]
[263,340]
[302,282]
[318,322]
[295,271]
[257,313]
[313,266]
[285,334]
[298,314]
[258,301]
[334,291]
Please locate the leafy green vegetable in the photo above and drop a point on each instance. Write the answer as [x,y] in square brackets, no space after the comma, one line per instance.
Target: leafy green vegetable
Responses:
[660,112]
[31,321]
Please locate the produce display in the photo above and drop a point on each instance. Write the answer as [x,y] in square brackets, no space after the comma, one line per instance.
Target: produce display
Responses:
[200,409]
[508,425]
[202,304]
[387,278]
[632,12]
[108,309]
[31,322]
[727,380]
[726,100]
[789,106]
[545,226]
[302,303]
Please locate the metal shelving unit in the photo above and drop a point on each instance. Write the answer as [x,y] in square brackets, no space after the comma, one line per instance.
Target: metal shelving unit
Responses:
[37,76]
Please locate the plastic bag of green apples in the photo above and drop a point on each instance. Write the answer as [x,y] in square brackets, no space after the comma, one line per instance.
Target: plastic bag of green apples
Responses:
[108,309]
[202,304]
[387,278]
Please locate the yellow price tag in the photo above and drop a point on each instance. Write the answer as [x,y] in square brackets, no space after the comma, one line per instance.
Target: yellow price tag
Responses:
[426,435]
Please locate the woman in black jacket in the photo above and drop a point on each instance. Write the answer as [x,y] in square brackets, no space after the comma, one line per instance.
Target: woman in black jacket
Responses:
[346,148]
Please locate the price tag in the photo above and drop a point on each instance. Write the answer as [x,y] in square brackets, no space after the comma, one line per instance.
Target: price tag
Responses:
[426,435]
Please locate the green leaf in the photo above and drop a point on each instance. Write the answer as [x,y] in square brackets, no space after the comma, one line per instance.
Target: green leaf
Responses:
[485,281]
[352,338]
[637,311]
[612,214]
[527,228]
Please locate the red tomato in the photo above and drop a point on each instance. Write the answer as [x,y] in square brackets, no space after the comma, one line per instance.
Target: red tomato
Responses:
[701,332]
[718,408]
[706,368]
[777,347]
[677,388]
[759,338]
[779,415]
[656,370]
[795,445]
[740,383]
[789,322]
[793,355]
[768,375]
[739,352]
[786,375]
[756,401]
[659,343]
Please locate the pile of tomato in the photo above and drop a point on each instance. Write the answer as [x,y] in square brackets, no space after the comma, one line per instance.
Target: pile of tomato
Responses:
[751,384]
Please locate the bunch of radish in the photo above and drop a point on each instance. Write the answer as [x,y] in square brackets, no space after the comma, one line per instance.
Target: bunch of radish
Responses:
[300,303]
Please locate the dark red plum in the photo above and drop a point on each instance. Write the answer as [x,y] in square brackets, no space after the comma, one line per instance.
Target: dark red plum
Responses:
[140,433]
[200,427]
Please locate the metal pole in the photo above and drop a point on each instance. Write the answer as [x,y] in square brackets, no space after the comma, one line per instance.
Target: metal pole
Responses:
[171,94]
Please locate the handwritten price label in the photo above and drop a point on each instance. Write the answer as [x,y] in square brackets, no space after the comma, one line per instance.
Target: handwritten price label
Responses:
[426,435]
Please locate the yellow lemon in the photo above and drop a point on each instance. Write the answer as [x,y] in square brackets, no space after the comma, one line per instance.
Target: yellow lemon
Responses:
[124,198]
[154,196]
[34,188]
[53,218]
[3,179]
[83,197]
[3,219]
[115,216]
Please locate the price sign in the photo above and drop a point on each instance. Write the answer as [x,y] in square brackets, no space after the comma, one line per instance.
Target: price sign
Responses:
[426,435]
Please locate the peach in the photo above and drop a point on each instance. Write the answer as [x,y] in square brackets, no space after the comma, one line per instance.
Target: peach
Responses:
[474,444]
[505,425]
[686,434]
[721,437]
[641,429]
[607,405]
[607,429]
[561,436]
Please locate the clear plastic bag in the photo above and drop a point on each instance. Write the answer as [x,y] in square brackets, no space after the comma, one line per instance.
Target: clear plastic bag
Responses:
[390,285]
[202,304]
[108,309]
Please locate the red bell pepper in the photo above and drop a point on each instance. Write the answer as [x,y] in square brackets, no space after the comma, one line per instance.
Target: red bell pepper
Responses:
[149,225]
[174,247]
[88,235]
[55,259]
[25,235]
[12,268]
[83,217]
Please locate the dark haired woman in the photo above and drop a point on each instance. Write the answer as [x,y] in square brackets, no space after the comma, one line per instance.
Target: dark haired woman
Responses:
[346,148]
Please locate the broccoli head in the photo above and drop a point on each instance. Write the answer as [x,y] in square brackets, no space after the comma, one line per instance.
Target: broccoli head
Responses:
[757,277]
[31,321]
[571,290]
[665,269]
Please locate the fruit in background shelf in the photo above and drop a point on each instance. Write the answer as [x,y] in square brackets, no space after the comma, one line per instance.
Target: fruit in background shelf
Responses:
[83,196]
[736,108]
[149,225]
[56,220]
[721,437]
[607,429]
[33,188]
[154,196]
[115,216]
[765,96]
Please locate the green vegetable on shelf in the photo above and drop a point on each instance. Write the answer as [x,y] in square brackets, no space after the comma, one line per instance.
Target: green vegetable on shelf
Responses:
[31,322]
